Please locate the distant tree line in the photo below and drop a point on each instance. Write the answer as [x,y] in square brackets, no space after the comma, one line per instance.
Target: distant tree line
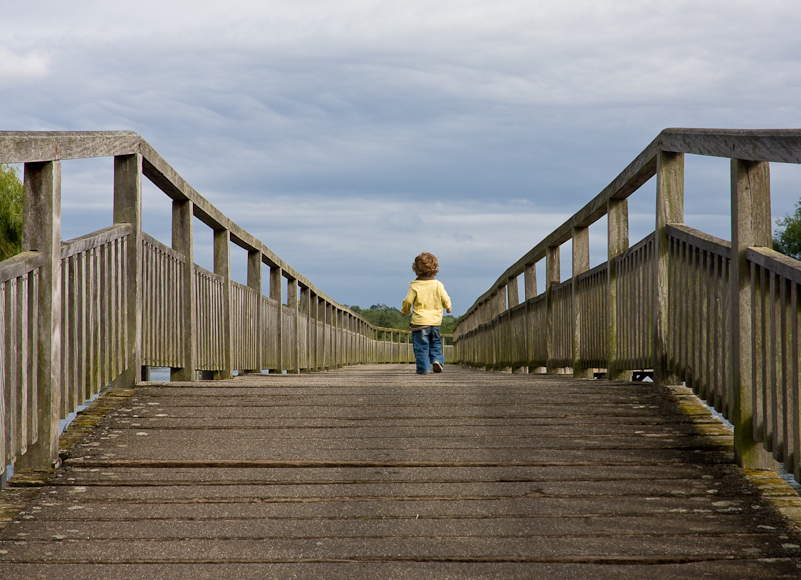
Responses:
[391,317]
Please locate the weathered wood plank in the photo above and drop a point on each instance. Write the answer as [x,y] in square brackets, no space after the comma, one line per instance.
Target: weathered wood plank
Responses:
[20,265]
[782,145]
[699,239]
[785,266]
[376,466]
[29,146]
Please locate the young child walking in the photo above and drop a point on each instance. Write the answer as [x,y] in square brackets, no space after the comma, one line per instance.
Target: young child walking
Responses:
[426,299]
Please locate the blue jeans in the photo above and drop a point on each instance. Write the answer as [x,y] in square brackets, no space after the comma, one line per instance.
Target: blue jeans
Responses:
[427,345]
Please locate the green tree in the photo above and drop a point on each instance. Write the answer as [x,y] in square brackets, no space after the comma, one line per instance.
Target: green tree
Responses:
[448,324]
[10,211]
[787,238]
[384,316]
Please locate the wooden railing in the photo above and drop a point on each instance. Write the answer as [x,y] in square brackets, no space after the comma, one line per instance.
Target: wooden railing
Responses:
[681,305]
[105,308]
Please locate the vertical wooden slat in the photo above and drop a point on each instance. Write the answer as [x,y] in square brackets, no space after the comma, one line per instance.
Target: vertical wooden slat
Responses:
[22,361]
[726,339]
[119,269]
[124,311]
[6,453]
[783,364]
[12,375]
[771,358]
[66,343]
[81,313]
[714,334]
[795,393]
[33,358]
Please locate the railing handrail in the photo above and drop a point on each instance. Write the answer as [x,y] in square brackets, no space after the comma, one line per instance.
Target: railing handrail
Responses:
[104,307]
[19,265]
[94,240]
[776,145]
[42,146]
[722,317]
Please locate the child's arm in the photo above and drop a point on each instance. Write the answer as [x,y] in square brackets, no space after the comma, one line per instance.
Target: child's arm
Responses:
[446,300]
[408,302]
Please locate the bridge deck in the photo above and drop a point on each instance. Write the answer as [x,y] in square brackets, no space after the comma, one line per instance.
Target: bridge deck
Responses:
[372,471]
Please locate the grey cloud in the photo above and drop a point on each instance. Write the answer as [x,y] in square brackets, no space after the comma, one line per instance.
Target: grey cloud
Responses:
[308,123]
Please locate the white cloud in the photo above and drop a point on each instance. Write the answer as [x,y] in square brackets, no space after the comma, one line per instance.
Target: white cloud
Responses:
[16,68]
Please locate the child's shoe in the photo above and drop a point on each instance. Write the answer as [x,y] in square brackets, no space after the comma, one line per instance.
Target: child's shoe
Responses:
[437,366]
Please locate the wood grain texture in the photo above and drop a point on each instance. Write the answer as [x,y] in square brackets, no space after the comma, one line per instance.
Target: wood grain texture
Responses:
[373,472]
[37,146]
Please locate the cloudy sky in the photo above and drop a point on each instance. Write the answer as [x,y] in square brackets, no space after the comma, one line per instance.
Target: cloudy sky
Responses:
[351,135]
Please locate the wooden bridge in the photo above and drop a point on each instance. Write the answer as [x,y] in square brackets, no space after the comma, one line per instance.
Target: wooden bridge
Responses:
[365,469]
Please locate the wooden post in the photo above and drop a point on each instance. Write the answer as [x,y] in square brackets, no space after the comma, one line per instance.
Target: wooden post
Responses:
[254,282]
[42,233]
[530,278]
[183,242]
[512,293]
[552,276]
[498,308]
[750,226]
[304,308]
[581,263]
[276,294]
[530,281]
[292,304]
[314,303]
[222,267]
[618,242]
[337,346]
[128,209]
[669,210]
[328,343]
[513,299]
[481,335]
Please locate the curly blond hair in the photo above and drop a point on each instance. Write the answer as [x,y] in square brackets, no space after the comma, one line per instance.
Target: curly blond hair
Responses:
[426,265]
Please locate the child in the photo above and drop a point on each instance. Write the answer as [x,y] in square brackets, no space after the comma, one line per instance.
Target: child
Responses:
[427,297]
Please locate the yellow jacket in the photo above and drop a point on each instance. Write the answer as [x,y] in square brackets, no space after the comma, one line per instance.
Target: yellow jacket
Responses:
[427,298]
